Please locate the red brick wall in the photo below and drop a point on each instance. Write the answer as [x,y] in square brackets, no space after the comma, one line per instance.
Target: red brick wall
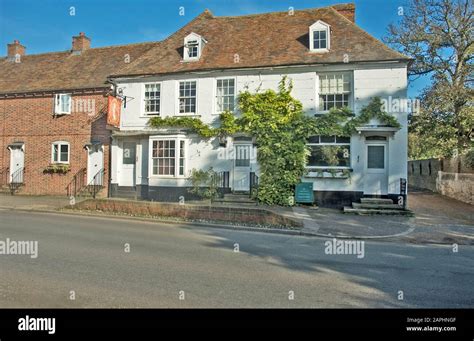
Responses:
[31,120]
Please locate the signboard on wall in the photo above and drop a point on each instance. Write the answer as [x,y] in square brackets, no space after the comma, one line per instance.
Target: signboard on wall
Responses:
[402,199]
[113,111]
[304,193]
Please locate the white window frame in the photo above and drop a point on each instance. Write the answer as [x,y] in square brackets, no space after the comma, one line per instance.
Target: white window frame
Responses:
[317,27]
[155,113]
[177,140]
[192,37]
[58,98]
[178,98]
[350,93]
[59,144]
[217,111]
[332,144]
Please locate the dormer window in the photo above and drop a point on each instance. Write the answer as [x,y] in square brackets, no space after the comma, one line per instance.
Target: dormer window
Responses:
[193,45]
[319,37]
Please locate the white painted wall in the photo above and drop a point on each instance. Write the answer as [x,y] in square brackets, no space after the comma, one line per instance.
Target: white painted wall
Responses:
[369,80]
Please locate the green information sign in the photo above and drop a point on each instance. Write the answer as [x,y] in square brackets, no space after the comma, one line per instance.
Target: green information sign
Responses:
[304,193]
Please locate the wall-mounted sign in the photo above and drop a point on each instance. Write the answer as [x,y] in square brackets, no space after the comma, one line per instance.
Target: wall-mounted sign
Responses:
[402,198]
[304,193]
[113,112]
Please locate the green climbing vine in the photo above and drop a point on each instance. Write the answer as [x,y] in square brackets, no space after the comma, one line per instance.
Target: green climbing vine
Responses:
[281,129]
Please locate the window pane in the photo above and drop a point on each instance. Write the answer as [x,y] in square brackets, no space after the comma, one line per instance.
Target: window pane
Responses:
[65,99]
[55,153]
[165,156]
[64,157]
[376,157]
[225,95]
[343,139]
[328,139]
[187,98]
[334,84]
[242,156]
[128,153]
[152,98]
[329,156]
[313,139]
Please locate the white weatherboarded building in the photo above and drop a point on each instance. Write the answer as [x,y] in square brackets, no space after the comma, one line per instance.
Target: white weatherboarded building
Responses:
[199,72]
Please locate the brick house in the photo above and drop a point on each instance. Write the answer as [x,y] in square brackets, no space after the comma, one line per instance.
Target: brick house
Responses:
[53,134]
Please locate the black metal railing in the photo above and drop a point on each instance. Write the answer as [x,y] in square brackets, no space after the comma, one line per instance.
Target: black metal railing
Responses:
[96,184]
[16,179]
[77,183]
[253,185]
[221,179]
[4,176]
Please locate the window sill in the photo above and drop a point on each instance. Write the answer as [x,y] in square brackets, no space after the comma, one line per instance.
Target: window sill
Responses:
[319,51]
[190,60]
[322,113]
[168,177]
[189,115]
[329,173]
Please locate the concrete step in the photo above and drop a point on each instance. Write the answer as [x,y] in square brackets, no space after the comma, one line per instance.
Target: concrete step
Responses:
[129,192]
[86,191]
[377,206]
[235,198]
[373,211]
[377,201]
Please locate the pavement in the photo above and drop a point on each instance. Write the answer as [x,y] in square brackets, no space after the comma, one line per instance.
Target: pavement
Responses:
[438,219]
[182,265]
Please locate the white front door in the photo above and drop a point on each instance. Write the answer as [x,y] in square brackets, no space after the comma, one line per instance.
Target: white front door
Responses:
[95,162]
[376,169]
[17,162]
[242,167]
[129,154]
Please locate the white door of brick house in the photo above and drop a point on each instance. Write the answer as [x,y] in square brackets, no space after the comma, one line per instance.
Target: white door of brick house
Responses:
[129,160]
[376,168]
[17,161]
[242,168]
[95,162]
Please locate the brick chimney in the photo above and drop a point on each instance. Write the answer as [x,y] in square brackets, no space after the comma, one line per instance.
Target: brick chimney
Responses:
[15,49]
[347,10]
[80,43]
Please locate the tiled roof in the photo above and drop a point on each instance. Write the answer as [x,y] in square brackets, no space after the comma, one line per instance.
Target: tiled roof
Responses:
[66,70]
[263,40]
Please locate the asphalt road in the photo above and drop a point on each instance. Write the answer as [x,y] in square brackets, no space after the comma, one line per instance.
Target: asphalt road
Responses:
[172,265]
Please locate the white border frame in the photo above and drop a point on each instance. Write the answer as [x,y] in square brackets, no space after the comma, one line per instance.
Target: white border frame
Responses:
[332,144]
[142,98]
[177,97]
[320,26]
[56,109]
[60,143]
[214,94]
[318,90]
[185,49]
[177,139]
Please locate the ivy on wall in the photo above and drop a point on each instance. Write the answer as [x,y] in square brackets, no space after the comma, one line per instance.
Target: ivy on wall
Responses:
[277,122]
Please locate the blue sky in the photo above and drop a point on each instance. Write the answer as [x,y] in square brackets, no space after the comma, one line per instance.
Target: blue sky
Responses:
[46,25]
